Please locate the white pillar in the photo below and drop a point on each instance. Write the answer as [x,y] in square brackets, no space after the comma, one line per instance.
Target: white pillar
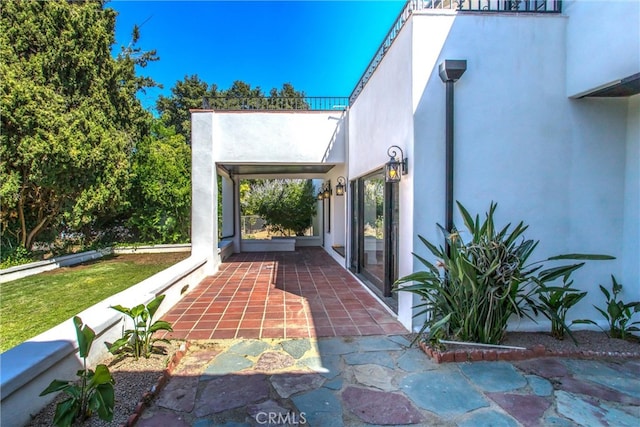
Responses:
[204,191]
[228,207]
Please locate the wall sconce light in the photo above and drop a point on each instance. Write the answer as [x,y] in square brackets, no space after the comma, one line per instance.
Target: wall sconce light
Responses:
[320,194]
[327,190]
[340,186]
[394,168]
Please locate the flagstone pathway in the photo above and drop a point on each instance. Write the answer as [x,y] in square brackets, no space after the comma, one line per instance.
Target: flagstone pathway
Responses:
[380,380]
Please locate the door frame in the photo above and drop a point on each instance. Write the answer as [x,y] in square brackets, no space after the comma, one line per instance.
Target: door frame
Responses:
[381,286]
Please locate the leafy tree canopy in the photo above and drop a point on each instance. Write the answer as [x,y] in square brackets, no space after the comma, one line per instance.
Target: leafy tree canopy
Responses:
[286,205]
[79,152]
[193,93]
[69,116]
[185,95]
[161,187]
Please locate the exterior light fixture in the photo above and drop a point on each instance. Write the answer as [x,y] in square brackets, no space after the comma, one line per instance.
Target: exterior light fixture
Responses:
[394,169]
[340,186]
[327,190]
[320,194]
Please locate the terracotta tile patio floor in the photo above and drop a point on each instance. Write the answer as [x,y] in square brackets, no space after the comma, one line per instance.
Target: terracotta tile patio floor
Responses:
[297,294]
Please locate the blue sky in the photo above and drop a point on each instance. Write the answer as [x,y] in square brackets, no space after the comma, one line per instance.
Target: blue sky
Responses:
[321,47]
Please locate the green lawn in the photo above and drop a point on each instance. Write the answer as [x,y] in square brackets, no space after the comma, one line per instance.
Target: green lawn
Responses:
[37,303]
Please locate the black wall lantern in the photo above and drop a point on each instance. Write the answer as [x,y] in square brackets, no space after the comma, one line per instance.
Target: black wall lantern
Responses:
[326,193]
[340,186]
[395,168]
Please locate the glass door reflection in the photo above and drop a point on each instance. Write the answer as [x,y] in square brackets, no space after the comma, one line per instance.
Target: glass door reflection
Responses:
[373,236]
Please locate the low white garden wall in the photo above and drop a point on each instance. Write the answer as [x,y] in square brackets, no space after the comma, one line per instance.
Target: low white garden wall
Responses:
[28,368]
[306,241]
[276,244]
[24,270]
[225,250]
[153,249]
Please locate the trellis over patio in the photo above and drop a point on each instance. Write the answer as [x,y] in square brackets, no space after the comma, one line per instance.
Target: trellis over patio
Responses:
[232,145]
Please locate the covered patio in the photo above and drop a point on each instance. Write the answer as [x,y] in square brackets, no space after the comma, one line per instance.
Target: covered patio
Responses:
[301,294]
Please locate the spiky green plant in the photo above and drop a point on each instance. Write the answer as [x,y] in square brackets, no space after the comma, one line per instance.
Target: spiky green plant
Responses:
[478,285]
[554,303]
[618,313]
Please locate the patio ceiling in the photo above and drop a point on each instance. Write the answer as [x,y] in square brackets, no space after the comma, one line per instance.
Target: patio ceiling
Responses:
[276,169]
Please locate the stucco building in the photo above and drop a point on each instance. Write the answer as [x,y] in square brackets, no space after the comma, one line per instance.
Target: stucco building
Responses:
[545,122]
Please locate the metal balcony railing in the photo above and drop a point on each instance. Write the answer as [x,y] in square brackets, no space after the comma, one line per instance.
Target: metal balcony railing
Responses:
[311,103]
[532,6]
[491,6]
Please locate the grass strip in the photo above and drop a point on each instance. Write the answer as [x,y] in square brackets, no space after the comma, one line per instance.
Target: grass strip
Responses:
[35,304]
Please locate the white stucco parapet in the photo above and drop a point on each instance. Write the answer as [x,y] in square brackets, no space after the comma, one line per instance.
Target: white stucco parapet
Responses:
[276,137]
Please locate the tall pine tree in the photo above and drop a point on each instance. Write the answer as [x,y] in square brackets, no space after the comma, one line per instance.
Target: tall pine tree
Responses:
[69,116]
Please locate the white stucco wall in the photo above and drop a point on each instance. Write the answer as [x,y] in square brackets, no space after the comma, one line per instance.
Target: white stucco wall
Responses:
[383,116]
[336,152]
[508,121]
[204,190]
[248,137]
[555,163]
[336,210]
[275,137]
[596,187]
[603,42]
[429,34]
[630,274]
[568,168]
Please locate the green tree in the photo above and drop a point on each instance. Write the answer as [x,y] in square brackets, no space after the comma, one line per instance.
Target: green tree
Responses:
[187,94]
[285,205]
[69,116]
[287,98]
[193,93]
[161,187]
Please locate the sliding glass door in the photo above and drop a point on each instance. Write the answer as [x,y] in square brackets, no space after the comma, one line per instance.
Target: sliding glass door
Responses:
[375,233]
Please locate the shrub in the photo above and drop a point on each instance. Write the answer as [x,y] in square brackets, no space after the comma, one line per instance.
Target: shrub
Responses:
[285,205]
[555,301]
[483,282]
[617,312]
[139,341]
[94,391]
[15,256]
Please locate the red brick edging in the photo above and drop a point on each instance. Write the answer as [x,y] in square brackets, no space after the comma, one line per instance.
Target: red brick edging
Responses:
[158,386]
[493,354]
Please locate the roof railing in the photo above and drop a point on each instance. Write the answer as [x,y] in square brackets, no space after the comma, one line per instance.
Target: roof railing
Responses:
[276,103]
[531,6]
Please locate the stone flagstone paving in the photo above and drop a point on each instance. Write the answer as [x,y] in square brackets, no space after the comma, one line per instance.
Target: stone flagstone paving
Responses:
[380,380]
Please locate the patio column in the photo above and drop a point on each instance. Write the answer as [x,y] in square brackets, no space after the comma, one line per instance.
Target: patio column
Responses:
[228,207]
[204,190]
